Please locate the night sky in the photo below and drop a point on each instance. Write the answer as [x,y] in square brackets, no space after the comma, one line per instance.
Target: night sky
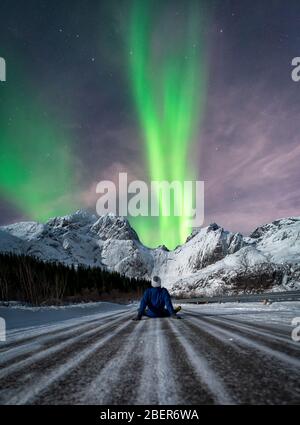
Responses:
[68,114]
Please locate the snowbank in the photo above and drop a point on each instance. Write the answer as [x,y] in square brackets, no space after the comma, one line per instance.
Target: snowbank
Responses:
[21,317]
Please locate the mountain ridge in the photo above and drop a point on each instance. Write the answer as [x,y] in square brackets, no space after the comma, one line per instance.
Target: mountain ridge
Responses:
[211,261]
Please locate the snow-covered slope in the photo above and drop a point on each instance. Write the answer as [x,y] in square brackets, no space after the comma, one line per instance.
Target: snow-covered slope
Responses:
[11,243]
[269,260]
[280,240]
[81,238]
[211,261]
[202,248]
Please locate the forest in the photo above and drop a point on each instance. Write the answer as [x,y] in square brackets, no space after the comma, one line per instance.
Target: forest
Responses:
[29,280]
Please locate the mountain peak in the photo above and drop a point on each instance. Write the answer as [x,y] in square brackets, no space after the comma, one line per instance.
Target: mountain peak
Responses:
[111,226]
[274,226]
[199,230]
[80,217]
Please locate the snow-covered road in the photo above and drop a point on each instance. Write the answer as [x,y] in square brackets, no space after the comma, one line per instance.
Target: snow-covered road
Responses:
[223,354]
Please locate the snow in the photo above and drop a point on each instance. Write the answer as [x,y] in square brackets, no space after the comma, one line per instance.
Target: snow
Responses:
[279,314]
[283,310]
[23,396]
[273,248]
[203,370]
[281,241]
[109,241]
[210,262]
[203,247]
[219,353]
[10,243]
[19,317]
[27,230]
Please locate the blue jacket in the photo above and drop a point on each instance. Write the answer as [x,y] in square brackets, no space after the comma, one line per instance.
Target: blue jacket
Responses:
[158,301]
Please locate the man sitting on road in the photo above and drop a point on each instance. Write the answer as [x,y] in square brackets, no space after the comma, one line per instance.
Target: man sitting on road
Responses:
[156,302]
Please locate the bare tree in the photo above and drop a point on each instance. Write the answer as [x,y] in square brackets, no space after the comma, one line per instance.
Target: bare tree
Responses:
[3,288]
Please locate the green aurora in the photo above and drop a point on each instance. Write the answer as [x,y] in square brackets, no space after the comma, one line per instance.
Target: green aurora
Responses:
[37,167]
[168,82]
[36,158]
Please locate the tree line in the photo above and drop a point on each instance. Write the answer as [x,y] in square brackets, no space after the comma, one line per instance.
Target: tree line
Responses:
[28,279]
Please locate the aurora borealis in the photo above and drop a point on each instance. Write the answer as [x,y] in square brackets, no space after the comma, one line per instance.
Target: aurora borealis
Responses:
[168,85]
[36,157]
[162,90]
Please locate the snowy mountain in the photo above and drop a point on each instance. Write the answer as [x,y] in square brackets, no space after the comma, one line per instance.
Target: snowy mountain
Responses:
[80,238]
[211,261]
[268,260]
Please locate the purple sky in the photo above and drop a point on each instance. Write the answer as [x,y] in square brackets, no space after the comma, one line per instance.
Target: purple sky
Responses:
[250,155]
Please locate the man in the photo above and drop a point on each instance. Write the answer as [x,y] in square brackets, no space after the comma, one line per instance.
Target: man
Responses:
[156,302]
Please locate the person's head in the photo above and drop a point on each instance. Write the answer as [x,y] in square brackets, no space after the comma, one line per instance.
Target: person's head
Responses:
[156,282]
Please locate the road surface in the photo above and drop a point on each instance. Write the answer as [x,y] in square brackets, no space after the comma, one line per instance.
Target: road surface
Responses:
[223,357]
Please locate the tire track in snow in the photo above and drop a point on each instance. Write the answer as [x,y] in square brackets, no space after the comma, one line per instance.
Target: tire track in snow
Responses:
[202,368]
[281,330]
[109,386]
[26,335]
[157,361]
[251,327]
[251,376]
[246,341]
[156,383]
[146,393]
[24,396]
[19,351]
[56,348]
[285,345]
[168,382]
[77,382]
